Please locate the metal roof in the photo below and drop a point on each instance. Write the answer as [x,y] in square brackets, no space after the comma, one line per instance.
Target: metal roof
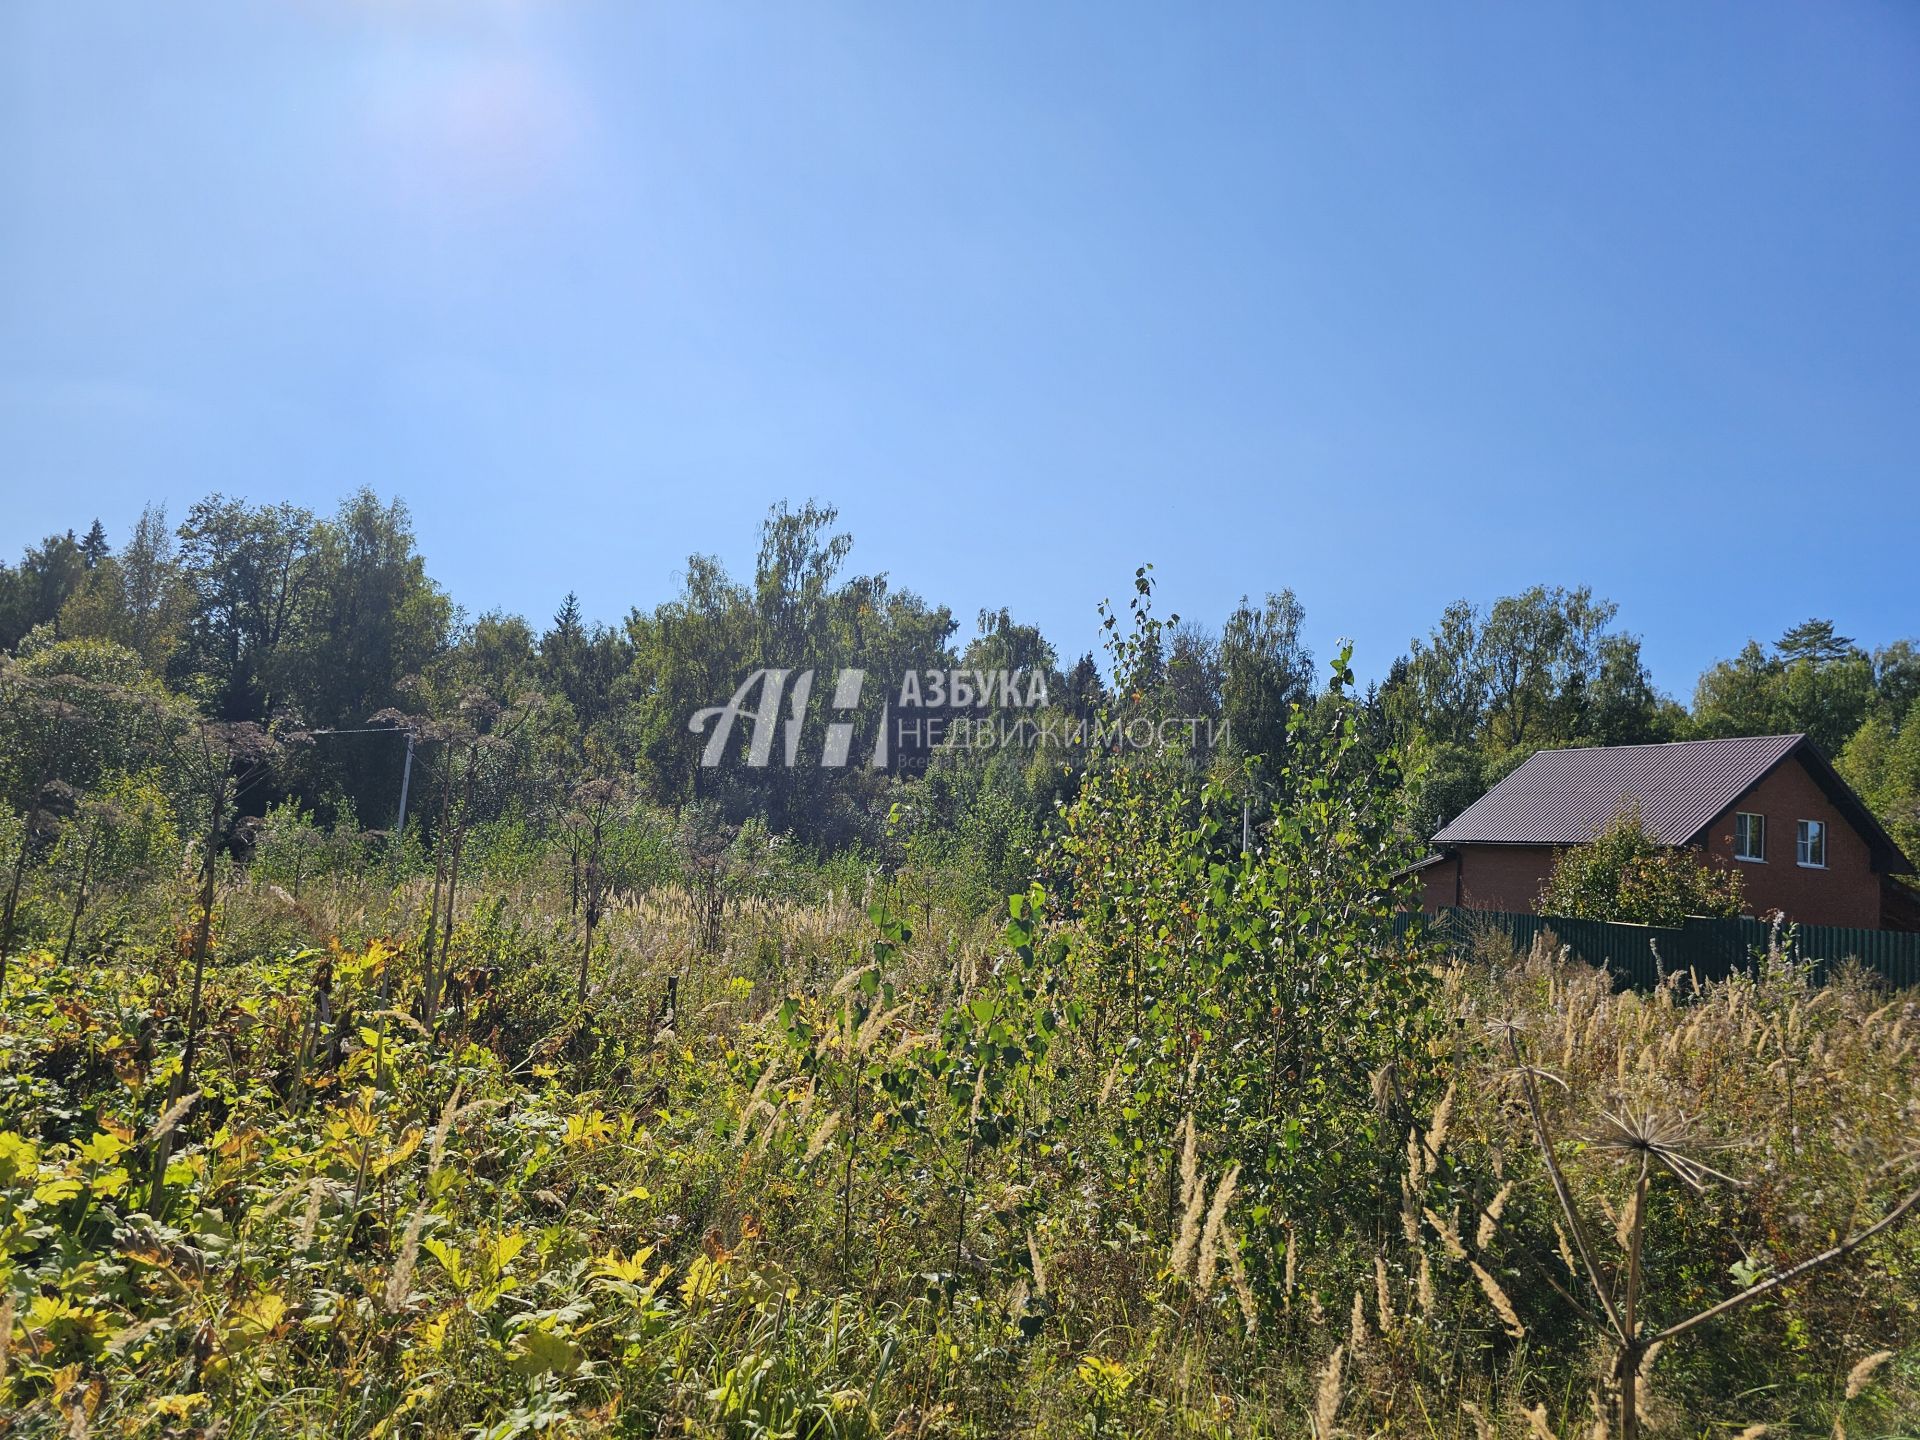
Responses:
[1567,797]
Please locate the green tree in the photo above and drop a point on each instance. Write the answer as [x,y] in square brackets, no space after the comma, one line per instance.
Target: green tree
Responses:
[247,570]
[689,652]
[1814,640]
[37,590]
[94,548]
[1740,696]
[1619,703]
[584,665]
[365,619]
[77,711]
[495,653]
[1245,995]
[1540,669]
[1556,675]
[1002,643]
[1443,689]
[73,715]
[696,650]
[1882,764]
[1896,678]
[1082,691]
[367,615]
[1265,670]
[1812,682]
[1456,776]
[1193,678]
[137,598]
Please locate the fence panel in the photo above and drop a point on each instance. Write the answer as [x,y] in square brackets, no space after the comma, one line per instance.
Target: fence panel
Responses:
[1889,952]
[1713,949]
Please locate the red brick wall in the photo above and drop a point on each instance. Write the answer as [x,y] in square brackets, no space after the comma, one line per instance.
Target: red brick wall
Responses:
[1847,892]
[1488,877]
[1437,884]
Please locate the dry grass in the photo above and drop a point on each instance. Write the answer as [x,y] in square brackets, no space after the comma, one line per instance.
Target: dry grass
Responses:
[1781,1116]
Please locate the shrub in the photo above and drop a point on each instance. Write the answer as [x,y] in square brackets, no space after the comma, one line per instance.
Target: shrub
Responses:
[1626,875]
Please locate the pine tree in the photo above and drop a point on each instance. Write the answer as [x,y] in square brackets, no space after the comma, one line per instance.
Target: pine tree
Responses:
[1814,640]
[94,548]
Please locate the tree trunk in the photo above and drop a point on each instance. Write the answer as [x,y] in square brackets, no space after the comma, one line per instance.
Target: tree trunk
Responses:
[202,935]
[80,895]
[13,900]
[429,981]
[586,953]
[453,870]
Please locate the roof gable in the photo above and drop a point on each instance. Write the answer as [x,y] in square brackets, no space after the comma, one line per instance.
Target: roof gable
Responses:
[1567,797]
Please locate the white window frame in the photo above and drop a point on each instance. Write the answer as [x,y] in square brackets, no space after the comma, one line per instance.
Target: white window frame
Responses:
[1807,834]
[1759,823]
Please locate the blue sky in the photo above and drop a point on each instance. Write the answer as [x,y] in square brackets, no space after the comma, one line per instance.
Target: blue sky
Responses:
[1388,303]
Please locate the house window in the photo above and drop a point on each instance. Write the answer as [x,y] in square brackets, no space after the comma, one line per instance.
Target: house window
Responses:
[1749,836]
[1812,844]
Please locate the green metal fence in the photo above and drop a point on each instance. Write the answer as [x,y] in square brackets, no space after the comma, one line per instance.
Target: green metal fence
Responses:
[1713,949]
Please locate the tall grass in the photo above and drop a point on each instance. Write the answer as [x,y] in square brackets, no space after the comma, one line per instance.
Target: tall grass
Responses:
[649,1212]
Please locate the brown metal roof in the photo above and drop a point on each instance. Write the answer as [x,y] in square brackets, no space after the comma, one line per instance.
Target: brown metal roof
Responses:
[1567,797]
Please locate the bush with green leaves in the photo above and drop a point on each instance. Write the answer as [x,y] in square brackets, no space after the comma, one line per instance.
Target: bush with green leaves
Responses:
[1626,875]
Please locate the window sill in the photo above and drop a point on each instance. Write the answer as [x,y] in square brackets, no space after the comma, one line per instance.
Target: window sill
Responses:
[1751,859]
[1809,865]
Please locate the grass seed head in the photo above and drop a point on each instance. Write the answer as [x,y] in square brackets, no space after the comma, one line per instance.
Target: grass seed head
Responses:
[1861,1374]
[1327,1401]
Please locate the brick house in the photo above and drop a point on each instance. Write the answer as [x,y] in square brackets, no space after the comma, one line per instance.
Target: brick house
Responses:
[1769,805]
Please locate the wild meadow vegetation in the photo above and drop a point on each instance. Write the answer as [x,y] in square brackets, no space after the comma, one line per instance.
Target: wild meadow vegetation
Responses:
[1093,1095]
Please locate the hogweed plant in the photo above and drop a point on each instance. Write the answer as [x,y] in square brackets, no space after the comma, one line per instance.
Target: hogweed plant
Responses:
[1652,1145]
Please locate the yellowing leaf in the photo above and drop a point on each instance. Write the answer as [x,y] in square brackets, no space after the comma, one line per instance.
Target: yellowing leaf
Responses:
[588,1131]
[449,1259]
[505,1248]
[631,1271]
[255,1318]
[702,1282]
[538,1352]
[58,1190]
[103,1149]
[409,1143]
[19,1157]
[177,1407]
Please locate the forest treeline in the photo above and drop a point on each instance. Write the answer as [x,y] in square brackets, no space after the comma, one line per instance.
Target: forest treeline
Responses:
[272,614]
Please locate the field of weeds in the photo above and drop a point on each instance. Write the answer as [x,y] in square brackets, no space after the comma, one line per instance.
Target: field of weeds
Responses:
[835,1176]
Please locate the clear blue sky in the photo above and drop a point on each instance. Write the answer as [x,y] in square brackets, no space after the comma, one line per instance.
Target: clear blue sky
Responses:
[1388,303]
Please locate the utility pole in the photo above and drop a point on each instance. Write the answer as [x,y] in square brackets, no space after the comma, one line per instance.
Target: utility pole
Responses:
[406,775]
